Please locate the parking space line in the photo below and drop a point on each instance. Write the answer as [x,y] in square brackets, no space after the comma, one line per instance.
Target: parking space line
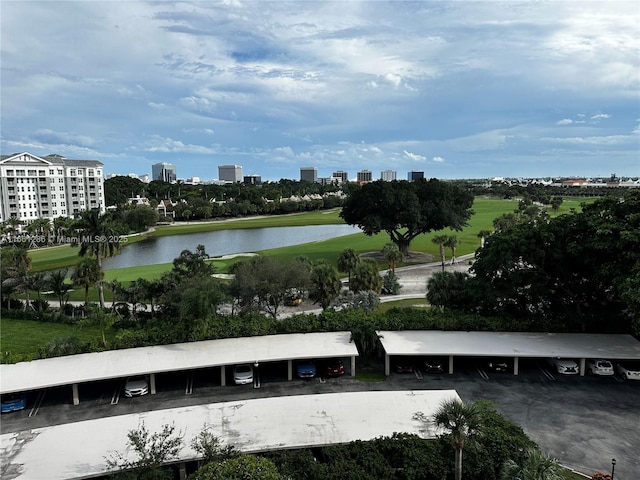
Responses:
[38,403]
[418,373]
[547,374]
[115,398]
[483,374]
[189,388]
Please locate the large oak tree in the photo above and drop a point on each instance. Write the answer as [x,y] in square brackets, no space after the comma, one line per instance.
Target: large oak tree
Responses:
[406,209]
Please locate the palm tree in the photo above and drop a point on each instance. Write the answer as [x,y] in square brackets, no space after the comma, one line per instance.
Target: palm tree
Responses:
[347,262]
[452,242]
[534,466]
[16,267]
[86,274]
[58,286]
[99,238]
[325,283]
[392,254]
[462,421]
[440,240]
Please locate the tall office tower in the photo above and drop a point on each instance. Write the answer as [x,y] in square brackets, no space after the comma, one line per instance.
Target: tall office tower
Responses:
[342,175]
[252,180]
[309,174]
[164,172]
[388,175]
[230,173]
[34,187]
[415,175]
[364,176]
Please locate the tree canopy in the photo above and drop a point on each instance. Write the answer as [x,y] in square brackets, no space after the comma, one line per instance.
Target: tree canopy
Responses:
[406,209]
[577,272]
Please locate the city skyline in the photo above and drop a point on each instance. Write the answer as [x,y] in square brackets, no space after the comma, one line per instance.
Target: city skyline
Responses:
[454,89]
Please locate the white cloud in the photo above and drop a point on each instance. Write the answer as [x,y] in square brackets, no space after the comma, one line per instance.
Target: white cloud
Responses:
[159,144]
[564,121]
[415,156]
[600,116]
[438,159]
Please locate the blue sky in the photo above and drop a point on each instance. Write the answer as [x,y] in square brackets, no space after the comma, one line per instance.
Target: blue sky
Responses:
[459,89]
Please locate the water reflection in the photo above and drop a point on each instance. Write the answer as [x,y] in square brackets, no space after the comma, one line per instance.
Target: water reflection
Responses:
[224,242]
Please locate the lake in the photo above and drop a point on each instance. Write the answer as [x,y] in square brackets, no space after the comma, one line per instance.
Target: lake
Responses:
[223,242]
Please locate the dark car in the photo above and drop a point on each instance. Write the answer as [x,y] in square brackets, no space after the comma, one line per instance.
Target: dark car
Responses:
[498,364]
[404,367]
[335,368]
[434,365]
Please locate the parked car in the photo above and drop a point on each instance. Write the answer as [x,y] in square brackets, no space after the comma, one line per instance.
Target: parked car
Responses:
[136,386]
[598,366]
[335,368]
[628,370]
[566,366]
[498,364]
[243,374]
[306,370]
[434,365]
[403,367]
[13,402]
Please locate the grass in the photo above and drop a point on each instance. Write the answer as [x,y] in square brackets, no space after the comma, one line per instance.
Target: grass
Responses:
[25,337]
[485,209]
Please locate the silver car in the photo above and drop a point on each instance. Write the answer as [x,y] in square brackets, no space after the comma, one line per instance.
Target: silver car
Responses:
[243,374]
[628,370]
[598,366]
[136,386]
[566,366]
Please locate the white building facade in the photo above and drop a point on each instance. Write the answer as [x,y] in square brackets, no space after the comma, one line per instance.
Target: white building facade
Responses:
[33,187]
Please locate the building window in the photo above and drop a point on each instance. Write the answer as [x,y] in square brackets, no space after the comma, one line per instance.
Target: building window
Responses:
[51,171]
[19,173]
[41,173]
[31,173]
[9,173]
[59,171]
[90,171]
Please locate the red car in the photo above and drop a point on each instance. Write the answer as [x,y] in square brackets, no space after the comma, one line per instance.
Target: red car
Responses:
[335,368]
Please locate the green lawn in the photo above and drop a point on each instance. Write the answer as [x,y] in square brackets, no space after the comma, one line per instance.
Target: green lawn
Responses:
[485,211]
[25,337]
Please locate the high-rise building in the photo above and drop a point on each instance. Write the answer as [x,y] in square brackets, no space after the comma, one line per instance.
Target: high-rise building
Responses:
[230,173]
[308,174]
[415,175]
[34,187]
[252,180]
[164,172]
[388,175]
[364,176]
[342,175]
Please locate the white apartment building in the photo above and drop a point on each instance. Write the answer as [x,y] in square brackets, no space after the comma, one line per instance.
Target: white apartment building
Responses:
[388,175]
[33,187]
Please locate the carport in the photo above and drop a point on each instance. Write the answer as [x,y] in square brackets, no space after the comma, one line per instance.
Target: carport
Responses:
[75,369]
[513,345]
[75,451]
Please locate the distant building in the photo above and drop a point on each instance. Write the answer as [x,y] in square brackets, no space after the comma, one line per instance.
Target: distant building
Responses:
[163,172]
[415,175]
[252,180]
[230,173]
[308,174]
[342,175]
[364,176]
[33,187]
[388,175]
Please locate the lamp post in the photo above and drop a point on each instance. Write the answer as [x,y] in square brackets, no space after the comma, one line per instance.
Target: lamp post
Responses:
[613,467]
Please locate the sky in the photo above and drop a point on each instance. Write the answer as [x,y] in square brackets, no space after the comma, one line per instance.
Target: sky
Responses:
[457,89]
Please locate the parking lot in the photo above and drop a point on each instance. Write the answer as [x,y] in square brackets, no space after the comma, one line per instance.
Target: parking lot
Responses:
[583,421]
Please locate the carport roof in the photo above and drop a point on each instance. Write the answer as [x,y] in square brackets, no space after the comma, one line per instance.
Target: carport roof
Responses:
[73,450]
[510,344]
[87,367]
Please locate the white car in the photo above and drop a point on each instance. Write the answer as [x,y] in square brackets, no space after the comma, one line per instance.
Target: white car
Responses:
[136,386]
[566,366]
[598,366]
[628,370]
[243,374]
